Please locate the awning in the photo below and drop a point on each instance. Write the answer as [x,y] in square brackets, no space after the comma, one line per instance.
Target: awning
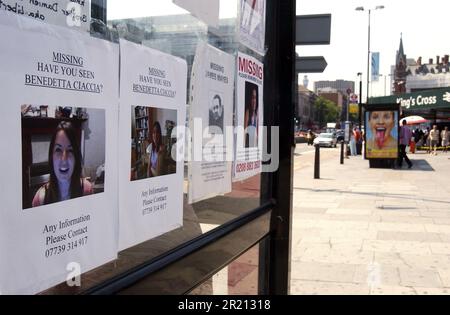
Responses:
[414,120]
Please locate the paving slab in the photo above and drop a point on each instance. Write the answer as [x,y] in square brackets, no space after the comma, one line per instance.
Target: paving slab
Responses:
[393,290]
[408,236]
[415,277]
[371,231]
[323,271]
[304,287]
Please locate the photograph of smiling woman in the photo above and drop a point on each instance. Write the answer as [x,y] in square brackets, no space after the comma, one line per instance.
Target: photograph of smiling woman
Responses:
[64,159]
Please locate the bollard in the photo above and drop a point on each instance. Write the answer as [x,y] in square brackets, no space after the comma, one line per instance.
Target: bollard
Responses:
[342,152]
[317,163]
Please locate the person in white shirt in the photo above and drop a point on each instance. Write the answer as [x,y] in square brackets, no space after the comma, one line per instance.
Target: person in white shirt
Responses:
[434,136]
[445,136]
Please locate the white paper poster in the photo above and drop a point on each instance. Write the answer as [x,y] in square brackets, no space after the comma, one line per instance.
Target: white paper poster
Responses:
[151,154]
[58,133]
[75,14]
[249,112]
[211,123]
[205,10]
[252,24]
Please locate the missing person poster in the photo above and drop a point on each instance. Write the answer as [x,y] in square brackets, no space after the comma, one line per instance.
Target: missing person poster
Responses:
[249,114]
[75,14]
[151,143]
[211,123]
[381,134]
[58,127]
[252,24]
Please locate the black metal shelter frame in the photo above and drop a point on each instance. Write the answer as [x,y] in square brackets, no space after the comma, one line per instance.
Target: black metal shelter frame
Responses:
[270,224]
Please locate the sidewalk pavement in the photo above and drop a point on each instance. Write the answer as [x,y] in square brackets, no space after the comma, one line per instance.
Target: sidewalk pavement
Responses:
[359,230]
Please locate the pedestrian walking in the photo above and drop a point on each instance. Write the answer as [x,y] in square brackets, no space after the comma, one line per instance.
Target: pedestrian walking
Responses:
[353,136]
[358,138]
[416,135]
[445,136]
[434,139]
[405,138]
[426,139]
[310,137]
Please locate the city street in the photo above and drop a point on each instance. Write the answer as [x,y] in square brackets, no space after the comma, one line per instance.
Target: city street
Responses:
[359,230]
[304,155]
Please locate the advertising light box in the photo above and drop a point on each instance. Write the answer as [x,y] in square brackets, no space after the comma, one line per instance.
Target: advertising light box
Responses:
[381,132]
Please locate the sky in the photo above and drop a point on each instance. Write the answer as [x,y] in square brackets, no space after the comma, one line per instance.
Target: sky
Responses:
[139,8]
[424,26]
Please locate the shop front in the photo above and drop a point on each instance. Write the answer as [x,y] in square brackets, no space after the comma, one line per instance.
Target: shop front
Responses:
[433,105]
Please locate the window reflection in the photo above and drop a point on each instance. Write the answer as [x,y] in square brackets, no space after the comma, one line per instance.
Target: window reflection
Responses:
[238,278]
[170,29]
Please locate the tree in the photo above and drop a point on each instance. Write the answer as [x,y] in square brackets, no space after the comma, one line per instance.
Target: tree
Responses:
[325,111]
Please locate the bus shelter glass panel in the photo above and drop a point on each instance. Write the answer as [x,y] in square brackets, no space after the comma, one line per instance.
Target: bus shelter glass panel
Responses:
[171,30]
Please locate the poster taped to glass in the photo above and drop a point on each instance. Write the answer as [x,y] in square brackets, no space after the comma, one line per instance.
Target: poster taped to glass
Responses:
[58,124]
[211,116]
[249,115]
[68,13]
[252,24]
[151,157]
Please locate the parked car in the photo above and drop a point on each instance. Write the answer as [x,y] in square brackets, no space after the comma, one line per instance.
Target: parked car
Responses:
[326,139]
[300,136]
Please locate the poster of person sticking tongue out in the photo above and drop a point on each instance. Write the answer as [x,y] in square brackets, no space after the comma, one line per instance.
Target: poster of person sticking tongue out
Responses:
[381,134]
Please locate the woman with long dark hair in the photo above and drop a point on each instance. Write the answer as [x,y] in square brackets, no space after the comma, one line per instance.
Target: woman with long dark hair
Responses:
[156,150]
[251,116]
[64,158]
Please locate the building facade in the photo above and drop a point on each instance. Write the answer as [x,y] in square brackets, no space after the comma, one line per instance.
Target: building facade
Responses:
[336,97]
[305,108]
[339,85]
[415,75]
[433,75]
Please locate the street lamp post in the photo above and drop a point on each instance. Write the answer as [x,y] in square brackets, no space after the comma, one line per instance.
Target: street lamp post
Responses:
[360,101]
[378,7]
